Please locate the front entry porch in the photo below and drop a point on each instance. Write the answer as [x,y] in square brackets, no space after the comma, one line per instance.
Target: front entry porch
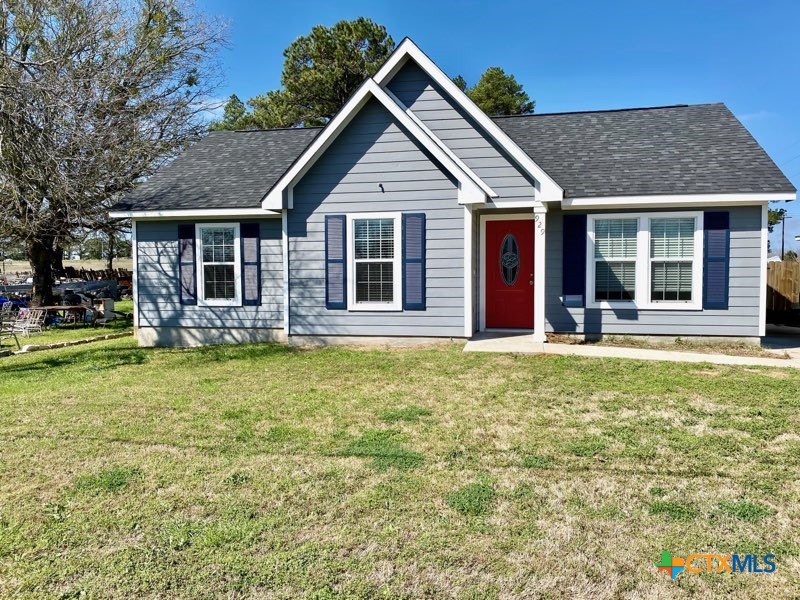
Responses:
[511,255]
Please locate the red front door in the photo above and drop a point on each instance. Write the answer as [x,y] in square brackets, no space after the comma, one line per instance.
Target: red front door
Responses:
[509,274]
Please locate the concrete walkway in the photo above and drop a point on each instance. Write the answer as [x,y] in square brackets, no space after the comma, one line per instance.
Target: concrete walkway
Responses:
[524,344]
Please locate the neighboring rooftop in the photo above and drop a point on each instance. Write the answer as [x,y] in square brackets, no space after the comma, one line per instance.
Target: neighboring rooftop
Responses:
[685,149]
[226,169]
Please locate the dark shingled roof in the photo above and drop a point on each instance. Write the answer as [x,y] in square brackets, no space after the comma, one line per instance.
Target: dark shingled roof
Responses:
[696,149]
[225,169]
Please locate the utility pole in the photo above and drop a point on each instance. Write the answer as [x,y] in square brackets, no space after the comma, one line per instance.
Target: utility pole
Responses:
[783,234]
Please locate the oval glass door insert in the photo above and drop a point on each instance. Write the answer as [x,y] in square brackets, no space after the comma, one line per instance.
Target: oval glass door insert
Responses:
[509,260]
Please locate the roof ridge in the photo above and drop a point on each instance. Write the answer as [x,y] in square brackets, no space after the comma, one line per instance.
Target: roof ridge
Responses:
[608,110]
[265,130]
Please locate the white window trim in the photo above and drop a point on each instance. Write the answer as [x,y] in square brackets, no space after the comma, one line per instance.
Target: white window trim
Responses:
[397,270]
[237,266]
[643,262]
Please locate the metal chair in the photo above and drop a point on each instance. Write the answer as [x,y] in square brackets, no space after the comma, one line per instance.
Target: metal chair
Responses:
[6,330]
[30,322]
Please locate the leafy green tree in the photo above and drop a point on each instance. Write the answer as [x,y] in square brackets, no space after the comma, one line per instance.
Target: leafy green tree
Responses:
[497,93]
[320,72]
[273,109]
[234,115]
[323,69]
[790,256]
[774,217]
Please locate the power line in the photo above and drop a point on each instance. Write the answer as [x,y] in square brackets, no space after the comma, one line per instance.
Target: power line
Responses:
[785,148]
[795,157]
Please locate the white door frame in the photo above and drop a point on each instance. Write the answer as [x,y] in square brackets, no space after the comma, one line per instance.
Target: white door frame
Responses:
[482,261]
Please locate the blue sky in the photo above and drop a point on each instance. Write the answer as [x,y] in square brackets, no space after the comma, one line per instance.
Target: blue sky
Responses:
[571,55]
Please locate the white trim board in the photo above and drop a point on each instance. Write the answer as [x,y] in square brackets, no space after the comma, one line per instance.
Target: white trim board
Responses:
[670,201]
[468,279]
[470,188]
[199,213]
[482,261]
[762,275]
[548,189]
[285,264]
[135,273]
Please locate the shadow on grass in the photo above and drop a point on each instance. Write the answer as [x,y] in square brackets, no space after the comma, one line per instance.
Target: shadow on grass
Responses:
[105,358]
[97,358]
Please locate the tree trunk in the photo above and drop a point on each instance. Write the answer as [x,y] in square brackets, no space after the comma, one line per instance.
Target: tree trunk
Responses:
[58,260]
[111,240]
[40,256]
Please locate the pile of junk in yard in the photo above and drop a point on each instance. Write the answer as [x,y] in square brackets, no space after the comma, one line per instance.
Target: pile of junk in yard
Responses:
[73,286]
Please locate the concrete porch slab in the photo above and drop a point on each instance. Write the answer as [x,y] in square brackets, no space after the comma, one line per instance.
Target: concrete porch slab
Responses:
[524,344]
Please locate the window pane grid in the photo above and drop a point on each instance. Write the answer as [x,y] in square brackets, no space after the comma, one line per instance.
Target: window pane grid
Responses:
[219,282]
[217,244]
[615,281]
[671,281]
[615,238]
[672,238]
[374,239]
[375,282]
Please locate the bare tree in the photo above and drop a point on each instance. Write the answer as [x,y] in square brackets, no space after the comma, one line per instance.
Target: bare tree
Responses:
[94,95]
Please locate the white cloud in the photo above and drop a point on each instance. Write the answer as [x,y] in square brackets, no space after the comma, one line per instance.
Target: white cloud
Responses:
[759,115]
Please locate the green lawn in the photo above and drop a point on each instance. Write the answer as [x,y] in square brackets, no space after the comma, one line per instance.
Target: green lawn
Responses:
[260,471]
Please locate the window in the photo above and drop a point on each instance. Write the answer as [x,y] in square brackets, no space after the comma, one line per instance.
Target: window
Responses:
[376,258]
[671,257]
[651,261]
[218,272]
[615,243]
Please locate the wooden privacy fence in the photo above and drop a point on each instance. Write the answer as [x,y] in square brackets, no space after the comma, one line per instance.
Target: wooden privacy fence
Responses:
[783,291]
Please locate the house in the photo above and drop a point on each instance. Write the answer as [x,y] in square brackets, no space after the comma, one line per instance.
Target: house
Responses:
[413,213]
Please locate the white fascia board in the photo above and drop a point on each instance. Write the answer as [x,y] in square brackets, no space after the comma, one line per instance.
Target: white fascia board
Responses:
[671,201]
[207,213]
[762,271]
[469,191]
[549,190]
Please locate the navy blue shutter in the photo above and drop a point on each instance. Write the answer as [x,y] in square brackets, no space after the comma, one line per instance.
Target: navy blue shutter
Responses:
[573,260]
[187,267]
[413,261]
[716,259]
[251,264]
[335,262]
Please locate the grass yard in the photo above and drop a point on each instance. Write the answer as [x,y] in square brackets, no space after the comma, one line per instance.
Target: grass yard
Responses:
[260,471]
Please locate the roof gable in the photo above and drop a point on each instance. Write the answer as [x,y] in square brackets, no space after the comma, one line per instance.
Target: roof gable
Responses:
[549,190]
[471,188]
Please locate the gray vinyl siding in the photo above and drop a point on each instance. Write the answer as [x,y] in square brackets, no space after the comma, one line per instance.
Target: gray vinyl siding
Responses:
[157,279]
[455,128]
[373,150]
[740,319]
